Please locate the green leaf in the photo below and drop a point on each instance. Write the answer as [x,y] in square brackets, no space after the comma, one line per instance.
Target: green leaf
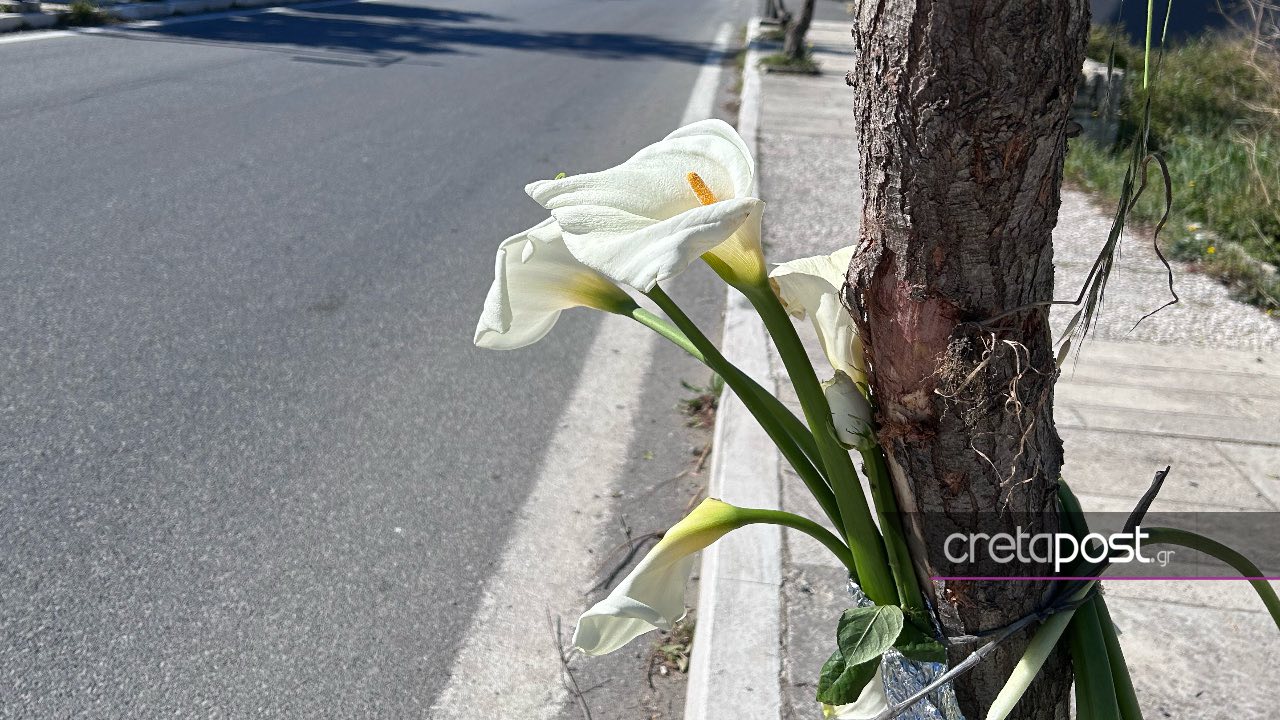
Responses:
[866,632]
[918,645]
[1209,546]
[1095,688]
[841,683]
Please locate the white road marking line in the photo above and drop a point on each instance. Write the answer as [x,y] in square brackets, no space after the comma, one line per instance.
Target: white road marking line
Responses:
[20,37]
[506,666]
[702,99]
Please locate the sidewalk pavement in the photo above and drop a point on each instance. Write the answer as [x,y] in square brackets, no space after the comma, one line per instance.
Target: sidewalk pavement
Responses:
[1196,387]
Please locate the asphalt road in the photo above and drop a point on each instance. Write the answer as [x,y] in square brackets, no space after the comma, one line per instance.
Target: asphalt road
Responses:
[250,463]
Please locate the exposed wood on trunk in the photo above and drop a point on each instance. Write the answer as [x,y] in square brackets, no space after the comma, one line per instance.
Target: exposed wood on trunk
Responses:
[962,108]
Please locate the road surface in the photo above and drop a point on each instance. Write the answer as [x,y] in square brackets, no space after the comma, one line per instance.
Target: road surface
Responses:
[250,463]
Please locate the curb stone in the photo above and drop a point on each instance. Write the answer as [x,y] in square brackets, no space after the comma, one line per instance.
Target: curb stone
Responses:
[736,667]
[31,20]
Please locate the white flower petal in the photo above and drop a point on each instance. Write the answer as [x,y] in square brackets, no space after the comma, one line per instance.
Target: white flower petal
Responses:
[802,282]
[642,221]
[535,278]
[850,412]
[741,165]
[811,287]
[839,338]
[652,183]
[651,597]
[641,252]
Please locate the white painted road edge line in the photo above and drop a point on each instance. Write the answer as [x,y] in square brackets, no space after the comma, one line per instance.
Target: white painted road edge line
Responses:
[176,20]
[506,666]
[736,668]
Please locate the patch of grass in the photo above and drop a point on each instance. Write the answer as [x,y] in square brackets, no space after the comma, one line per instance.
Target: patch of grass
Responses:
[701,407]
[777,34]
[672,649]
[83,12]
[780,62]
[1215,117]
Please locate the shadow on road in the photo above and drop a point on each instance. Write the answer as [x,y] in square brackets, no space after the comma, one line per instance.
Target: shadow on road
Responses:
[387,31]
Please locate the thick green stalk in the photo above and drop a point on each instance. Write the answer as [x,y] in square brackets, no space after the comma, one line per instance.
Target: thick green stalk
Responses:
[743,385]
[796,429]
[1129,708]
[806,526]
[895,540]
[859,527]
[1095,689]
[1074,522]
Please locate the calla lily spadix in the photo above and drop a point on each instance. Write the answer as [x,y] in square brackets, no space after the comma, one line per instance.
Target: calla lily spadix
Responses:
[648,219]
[869,705]
[652,596]
[811,287]
[535,278]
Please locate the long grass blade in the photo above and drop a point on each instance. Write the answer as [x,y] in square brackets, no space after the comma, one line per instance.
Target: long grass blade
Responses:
[1209,546]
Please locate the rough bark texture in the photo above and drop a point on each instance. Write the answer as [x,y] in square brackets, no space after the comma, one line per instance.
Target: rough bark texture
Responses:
[793,46]
[961,109]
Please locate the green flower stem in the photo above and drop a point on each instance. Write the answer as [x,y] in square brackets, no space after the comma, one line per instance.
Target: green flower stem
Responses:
[859,527]
[1129,708]
[795,429]
[806,526]
[895,539]
[768,417]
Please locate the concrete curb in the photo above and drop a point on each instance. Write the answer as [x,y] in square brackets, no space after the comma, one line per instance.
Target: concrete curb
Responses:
[28,20]
[736,666]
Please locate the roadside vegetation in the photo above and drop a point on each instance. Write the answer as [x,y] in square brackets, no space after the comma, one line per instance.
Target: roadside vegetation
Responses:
[83,12]
[1215,117]
[803,64]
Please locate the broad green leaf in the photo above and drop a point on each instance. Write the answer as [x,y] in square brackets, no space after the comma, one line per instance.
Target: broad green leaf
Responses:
[841,683]
[918,645]
[866,632]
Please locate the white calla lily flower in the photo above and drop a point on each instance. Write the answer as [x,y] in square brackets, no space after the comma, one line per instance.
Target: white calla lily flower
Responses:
[648,219]
[869,705]
[535,278]
[811,287]
[651,597]
[850,412]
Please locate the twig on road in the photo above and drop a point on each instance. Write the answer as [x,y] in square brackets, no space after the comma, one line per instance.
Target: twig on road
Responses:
[566,673]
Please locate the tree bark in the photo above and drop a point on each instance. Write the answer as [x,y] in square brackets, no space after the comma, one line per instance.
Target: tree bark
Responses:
[961,108]
[793,46]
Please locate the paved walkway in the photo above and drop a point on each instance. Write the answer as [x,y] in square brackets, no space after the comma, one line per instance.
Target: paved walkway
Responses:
[1196,387]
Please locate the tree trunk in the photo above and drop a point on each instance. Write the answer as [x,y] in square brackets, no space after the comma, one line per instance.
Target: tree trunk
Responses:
[961,109]
[793,47]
